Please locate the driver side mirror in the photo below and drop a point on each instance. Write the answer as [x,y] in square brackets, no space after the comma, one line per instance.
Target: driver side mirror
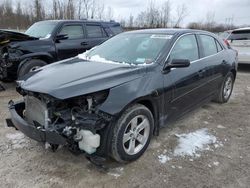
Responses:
[177,63]
[61,37]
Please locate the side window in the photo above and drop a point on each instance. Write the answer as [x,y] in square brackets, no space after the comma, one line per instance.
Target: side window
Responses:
[116,29]
[73,31]
[219,48]
[94,31]
[186,48]
[208,44]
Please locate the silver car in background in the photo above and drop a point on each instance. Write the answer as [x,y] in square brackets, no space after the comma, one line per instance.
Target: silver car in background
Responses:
[239,40]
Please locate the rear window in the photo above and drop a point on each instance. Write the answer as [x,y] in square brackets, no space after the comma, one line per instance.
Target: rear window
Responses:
[94,31]
[209,45]
[240,35]
[116,29]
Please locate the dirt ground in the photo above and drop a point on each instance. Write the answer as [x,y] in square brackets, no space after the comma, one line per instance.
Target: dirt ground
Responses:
[26,163]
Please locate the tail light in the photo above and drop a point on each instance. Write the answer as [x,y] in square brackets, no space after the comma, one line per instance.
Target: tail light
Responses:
[227,43]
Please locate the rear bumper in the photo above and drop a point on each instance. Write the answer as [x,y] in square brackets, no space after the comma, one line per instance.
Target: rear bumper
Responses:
[31,131]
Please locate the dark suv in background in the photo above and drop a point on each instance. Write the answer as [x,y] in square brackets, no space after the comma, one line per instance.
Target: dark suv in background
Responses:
[48,41]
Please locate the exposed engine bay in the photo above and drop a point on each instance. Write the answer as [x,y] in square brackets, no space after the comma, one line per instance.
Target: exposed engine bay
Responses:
[77,119]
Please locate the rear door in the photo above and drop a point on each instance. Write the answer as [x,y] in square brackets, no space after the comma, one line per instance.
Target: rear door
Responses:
[75,43]
[95,34]
[240,41]
[213,59]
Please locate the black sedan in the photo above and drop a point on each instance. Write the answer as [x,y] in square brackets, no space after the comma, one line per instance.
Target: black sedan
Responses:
[110,100]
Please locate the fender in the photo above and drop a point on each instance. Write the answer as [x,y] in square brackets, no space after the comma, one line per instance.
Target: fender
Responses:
[142,90]
[37,55]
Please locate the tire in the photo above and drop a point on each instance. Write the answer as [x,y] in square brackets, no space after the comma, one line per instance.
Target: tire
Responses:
[128,131]
[29,66]
[226,89]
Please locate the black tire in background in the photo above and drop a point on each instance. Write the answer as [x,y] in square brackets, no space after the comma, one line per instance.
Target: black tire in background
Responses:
[125,126]
[226,89]
[29,66]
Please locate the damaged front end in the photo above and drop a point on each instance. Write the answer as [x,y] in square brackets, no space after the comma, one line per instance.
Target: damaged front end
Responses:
[9,61]
[74,122]
[10,55]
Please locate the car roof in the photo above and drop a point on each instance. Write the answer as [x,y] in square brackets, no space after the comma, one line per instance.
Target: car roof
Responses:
[242,29]
[170,31]
[113,23]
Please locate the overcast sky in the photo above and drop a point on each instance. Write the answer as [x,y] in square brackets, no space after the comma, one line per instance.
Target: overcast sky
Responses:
[239,10]
[224,10]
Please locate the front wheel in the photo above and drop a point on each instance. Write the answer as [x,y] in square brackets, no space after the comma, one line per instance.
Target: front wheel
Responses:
[226,89]
[132,133]
[30,66]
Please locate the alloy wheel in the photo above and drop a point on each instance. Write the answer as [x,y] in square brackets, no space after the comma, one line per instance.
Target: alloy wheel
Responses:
[136,134]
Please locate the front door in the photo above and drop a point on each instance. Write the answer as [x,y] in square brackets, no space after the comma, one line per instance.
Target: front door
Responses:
[187,81]
[74,44]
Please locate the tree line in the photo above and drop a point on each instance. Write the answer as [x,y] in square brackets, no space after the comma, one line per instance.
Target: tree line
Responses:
[15,15]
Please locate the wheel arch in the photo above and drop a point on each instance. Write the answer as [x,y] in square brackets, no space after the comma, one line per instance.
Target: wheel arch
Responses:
[234,72]
[44,56]
[151,105]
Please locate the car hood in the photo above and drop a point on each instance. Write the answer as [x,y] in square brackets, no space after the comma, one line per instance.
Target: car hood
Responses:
[7,36]
[76,77]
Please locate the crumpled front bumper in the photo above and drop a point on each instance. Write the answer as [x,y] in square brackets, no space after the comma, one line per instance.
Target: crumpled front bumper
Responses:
[40,135]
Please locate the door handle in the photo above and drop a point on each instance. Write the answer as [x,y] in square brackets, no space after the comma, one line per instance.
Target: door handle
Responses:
[84,43]
[224,62]
[201,72]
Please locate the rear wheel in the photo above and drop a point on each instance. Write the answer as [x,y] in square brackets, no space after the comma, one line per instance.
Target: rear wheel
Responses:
[30,66]
[132,133]
[226,89]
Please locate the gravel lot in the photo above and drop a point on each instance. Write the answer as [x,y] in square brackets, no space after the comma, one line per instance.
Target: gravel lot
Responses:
[225,162]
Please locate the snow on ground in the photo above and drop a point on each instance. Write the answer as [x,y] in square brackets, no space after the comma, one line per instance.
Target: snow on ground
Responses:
[191,144]
[163,158]
[221,127]
[17,140]
[116,172]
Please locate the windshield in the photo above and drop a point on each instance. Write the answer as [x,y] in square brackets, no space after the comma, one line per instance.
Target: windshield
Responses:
[240,35]
[132,48]
[41,29]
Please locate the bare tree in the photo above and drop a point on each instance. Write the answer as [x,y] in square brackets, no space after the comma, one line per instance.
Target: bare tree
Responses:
[100,10]
[79,12]
[131,21]
[141,19]
[87,4]
[38,10]
[182,13]
[55,9]
[109,13]
[210,20]
[165,13]
[152,15]
[70,10]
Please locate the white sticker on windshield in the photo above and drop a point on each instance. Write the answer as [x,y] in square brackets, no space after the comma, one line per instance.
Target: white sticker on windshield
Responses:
[159,36]
[140,60]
